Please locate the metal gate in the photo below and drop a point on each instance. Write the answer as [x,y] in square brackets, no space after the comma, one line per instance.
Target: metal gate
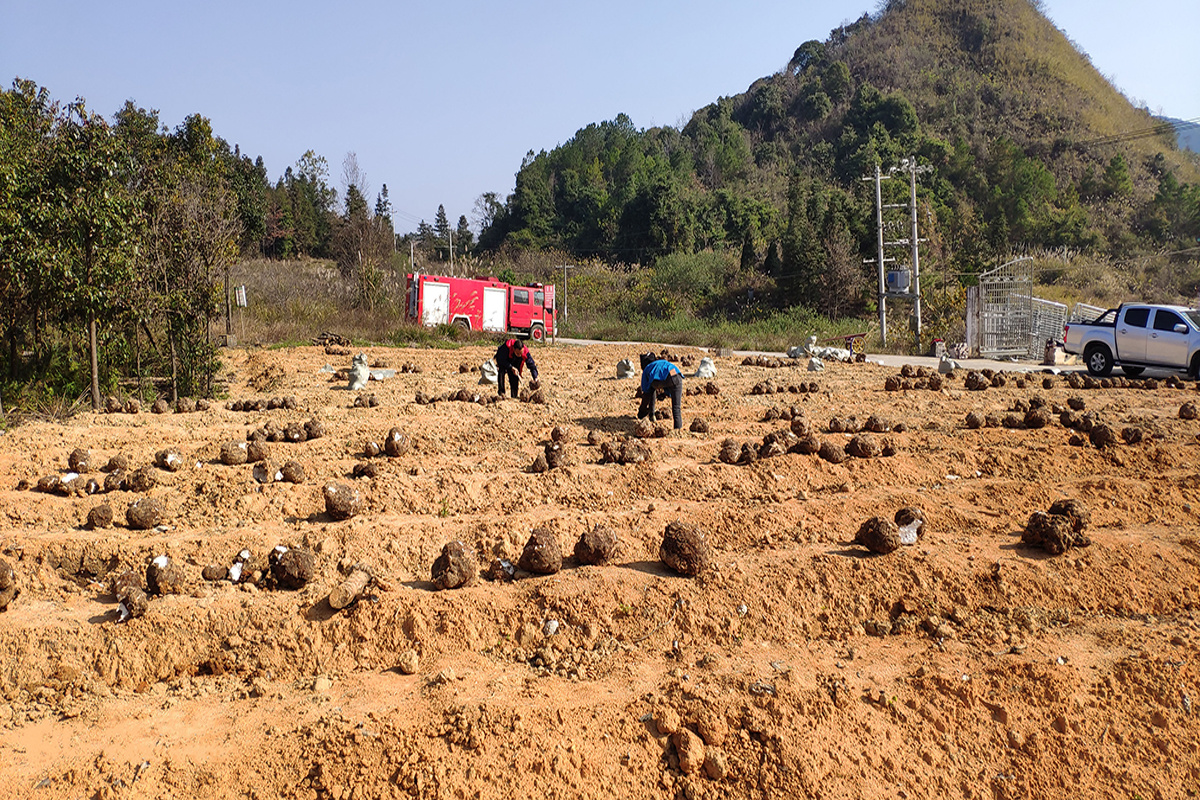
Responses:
[1014,323]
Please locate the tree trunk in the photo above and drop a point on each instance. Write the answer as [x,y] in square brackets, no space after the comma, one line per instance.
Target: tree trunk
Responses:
[137,349]
[12,352]
[95,361]
[228,307]
[174,370]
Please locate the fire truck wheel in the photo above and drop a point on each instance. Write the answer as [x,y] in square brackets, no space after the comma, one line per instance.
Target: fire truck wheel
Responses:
[537,333]
[462,323]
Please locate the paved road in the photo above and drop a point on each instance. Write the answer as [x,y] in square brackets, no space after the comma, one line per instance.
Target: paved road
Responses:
[897,361]
[887,359]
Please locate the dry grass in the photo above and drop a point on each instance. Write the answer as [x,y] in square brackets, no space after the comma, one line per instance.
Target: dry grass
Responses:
[290,302]
[32,405]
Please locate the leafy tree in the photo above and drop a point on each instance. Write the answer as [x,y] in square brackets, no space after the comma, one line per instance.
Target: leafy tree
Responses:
[836,81]
[814,106]
[767,106]
[687,282]
[27,121]
[362,241]
[192,238]
[312,203]
[653,223]
[1021,190]
[799,264]
[94,224]
[247,180]
[531,205]
[356,204]
[811,53]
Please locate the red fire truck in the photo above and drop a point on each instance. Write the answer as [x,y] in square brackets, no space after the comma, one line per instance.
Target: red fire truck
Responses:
[482,304]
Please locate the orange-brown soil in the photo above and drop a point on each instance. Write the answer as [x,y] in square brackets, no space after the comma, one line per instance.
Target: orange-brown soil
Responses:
[795,665]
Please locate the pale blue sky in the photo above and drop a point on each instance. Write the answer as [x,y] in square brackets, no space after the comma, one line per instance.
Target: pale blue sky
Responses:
[441,101]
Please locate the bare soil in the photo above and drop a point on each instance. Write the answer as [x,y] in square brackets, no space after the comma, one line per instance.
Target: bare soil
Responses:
[796,664]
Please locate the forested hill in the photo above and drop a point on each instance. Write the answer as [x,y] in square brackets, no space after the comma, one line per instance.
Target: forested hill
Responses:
[1031,148]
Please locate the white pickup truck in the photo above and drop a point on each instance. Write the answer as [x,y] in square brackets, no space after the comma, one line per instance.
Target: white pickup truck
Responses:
[1136,336]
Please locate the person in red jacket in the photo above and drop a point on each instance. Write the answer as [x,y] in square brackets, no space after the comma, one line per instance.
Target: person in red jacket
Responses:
[511,359]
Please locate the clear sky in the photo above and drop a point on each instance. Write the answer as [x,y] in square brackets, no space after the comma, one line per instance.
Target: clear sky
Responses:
[442,100]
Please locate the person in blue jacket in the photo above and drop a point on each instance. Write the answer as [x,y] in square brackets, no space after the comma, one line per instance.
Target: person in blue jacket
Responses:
[511,359]
[658,373]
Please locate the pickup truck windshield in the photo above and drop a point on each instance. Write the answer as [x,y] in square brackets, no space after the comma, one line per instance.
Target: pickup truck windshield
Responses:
[1194,317]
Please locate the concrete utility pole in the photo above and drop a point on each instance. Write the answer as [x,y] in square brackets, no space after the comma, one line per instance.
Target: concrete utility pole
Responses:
[879,259]
[565,267]
[916,261]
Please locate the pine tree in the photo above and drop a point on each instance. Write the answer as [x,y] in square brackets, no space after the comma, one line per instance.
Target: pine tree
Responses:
[441,229]
[383,205]
[463,238]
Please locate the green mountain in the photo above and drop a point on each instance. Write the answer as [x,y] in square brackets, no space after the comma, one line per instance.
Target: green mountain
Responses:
[1030,149]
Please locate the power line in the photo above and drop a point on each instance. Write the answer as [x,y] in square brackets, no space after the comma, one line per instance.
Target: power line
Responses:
[1166,126]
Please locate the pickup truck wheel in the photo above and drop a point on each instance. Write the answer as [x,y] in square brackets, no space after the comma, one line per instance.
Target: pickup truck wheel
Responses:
[1099,360]
[1133,372]
[1194,369]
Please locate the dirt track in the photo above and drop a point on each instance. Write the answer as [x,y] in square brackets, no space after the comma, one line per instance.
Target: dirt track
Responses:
[801,665]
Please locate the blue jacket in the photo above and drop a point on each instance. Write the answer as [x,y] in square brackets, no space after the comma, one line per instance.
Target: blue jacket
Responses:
[657,372]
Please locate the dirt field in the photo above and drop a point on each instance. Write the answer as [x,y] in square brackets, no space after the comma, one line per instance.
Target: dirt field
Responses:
[796,664]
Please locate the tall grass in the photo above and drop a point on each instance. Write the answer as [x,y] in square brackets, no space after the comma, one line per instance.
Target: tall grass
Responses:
[775,331]
[290,302]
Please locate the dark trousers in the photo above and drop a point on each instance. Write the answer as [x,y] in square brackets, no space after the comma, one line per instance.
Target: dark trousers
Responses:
[674,387]
[514,380]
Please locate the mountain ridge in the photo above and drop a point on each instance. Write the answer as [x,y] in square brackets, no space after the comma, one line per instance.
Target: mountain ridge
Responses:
[1032,149]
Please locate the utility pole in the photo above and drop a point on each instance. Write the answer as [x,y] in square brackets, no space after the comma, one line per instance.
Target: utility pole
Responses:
[879,259]
[912,291]
[451,235]
[565,267]
[913,239]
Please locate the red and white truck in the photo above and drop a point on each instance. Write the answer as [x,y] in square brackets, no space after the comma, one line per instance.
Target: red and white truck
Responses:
[482,304]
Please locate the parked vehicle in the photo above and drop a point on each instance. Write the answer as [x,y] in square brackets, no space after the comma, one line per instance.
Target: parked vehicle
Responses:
[482,304]
[1135,336]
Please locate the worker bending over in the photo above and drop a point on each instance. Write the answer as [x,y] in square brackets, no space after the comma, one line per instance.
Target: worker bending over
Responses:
[511,358]
[658,373]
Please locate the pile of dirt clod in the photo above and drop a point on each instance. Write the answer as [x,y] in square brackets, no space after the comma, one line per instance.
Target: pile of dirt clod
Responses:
[983,657]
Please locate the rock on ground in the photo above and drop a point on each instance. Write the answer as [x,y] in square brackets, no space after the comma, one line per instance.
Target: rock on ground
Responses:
[144,513]
[598,545]
[879,535]
[455,567]
[684,549]
[342,501]
[542,553]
